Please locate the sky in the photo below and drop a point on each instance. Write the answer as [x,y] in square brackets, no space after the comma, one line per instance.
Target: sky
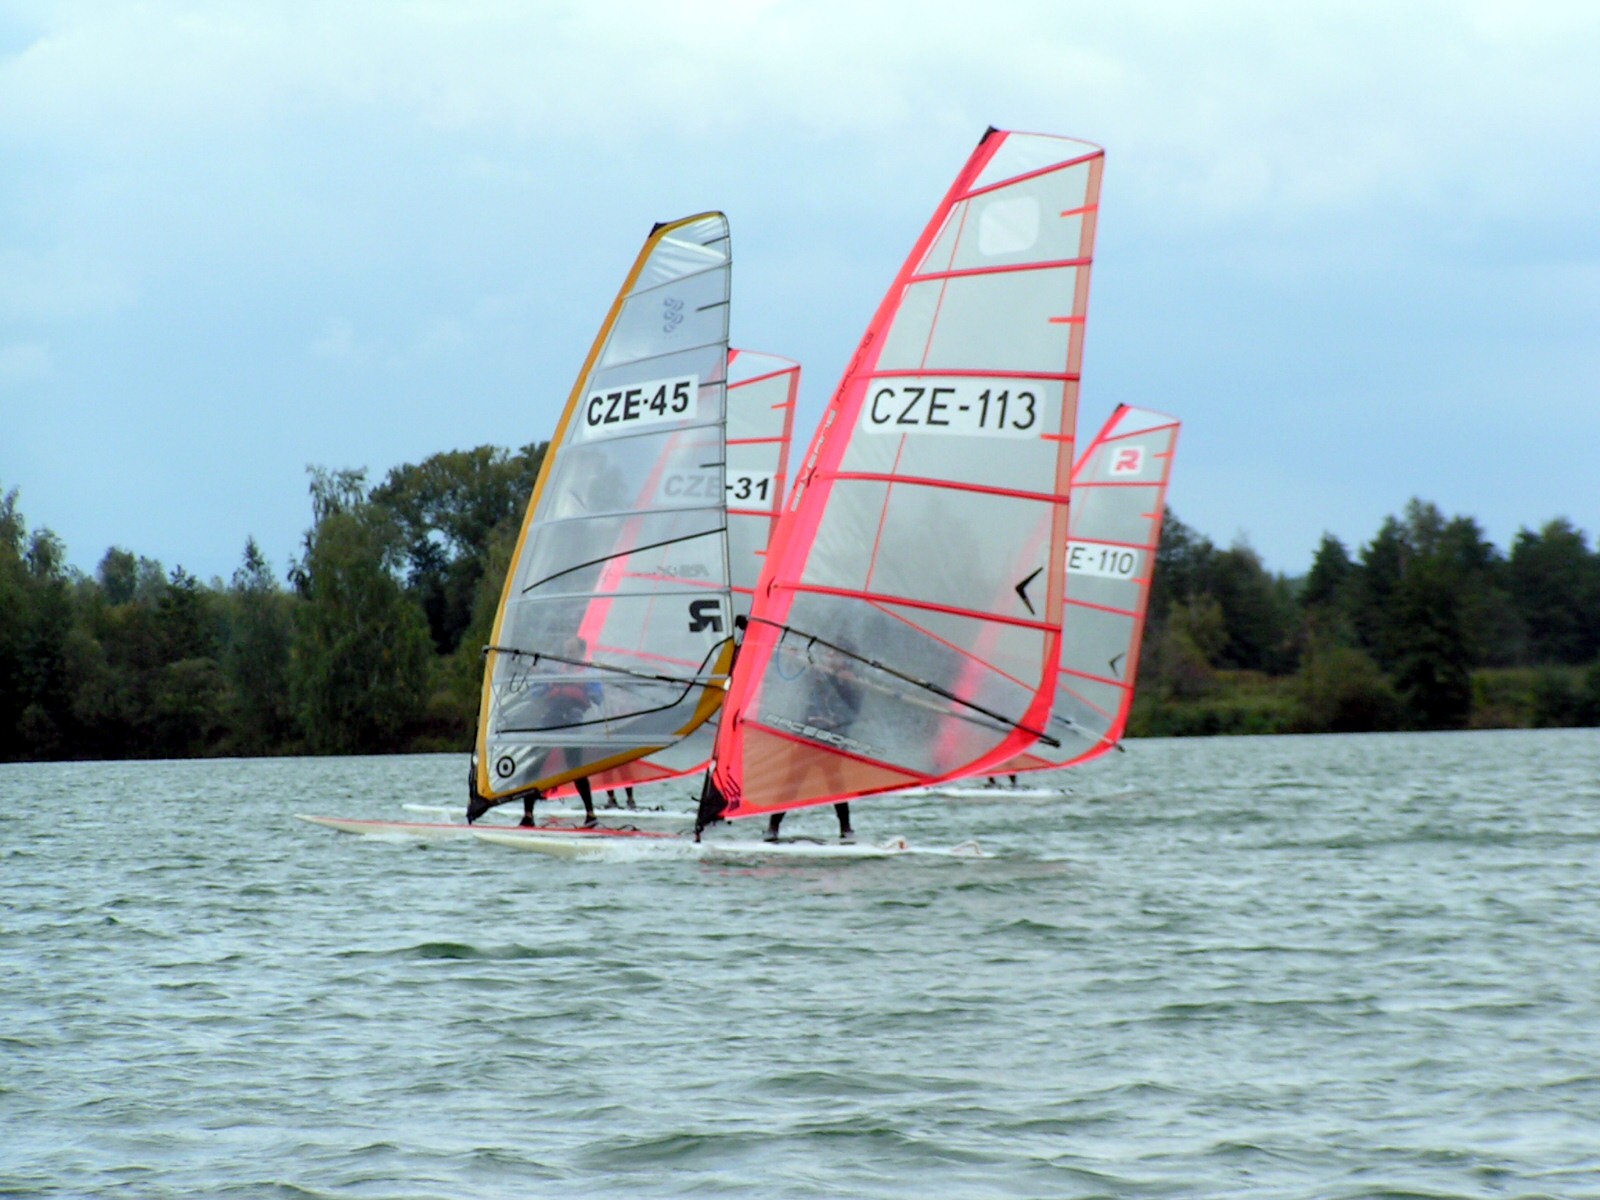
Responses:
[1354,246]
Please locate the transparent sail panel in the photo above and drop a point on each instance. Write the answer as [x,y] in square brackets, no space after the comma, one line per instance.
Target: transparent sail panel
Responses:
[761,394]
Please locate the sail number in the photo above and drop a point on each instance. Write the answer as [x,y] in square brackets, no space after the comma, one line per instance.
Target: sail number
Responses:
[752,487]
[620,410]
[958,406]
[1099,559]
[746,488]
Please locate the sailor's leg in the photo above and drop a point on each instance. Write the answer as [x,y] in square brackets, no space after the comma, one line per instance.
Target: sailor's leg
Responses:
[586,794]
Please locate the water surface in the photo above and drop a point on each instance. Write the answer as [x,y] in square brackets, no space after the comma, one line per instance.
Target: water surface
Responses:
[1287,967]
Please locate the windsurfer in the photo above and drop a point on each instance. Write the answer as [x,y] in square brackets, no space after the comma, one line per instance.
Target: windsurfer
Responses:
[832,705]
[563,702]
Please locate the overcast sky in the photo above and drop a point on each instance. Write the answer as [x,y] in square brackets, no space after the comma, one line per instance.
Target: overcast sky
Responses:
[1354,246]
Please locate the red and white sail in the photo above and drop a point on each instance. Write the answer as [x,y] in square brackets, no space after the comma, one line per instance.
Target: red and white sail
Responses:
[762,392]
[908,626]
[614,631]
[1119,492]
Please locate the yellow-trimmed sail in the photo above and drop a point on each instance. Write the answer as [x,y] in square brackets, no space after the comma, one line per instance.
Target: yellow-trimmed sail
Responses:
[614,631]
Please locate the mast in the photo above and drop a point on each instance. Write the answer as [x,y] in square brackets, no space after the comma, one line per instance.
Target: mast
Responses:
[614,631]
[907,627]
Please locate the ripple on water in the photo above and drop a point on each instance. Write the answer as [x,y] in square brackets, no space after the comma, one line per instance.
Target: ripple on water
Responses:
[1279,967]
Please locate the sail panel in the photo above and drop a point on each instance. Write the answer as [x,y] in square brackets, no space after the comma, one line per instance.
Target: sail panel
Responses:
[953,323]
[762,392]
[920,560]
[928,543]
[1024,154]
[686,311]
[614,630]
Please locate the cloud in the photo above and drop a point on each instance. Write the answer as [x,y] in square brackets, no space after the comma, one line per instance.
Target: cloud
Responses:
[319,216]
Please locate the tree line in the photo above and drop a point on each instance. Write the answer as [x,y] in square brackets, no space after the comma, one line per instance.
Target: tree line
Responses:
[371,639]
[1427,626]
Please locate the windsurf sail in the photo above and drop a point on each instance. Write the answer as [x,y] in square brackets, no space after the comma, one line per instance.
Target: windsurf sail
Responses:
[762,392]
[614,631]
[1119,492]
[907,628]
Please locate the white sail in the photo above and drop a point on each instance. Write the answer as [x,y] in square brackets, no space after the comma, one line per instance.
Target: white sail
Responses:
[614,629]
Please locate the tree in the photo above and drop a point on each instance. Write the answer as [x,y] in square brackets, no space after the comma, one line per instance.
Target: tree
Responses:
[447,509]
[1383,562]
[1329,581]
[35,621]
[1341,690]
[1256,611]
[360,654]
[256,656]
[1555,584]
[1432,666]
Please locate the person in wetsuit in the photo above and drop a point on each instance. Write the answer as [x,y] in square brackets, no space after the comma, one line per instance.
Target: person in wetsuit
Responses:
[564,703]
[832,706]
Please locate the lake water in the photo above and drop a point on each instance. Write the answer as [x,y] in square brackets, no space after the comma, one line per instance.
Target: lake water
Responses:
[1287,967]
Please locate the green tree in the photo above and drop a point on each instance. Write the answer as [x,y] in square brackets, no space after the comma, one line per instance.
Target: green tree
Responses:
[1340,690]
[1331,576]
[1383,563]
[1586,710]
[360,655]
[35,621]
[119,575]
[1555,583]
[1257,614]
[256,658]
[446,509]
[1432,668]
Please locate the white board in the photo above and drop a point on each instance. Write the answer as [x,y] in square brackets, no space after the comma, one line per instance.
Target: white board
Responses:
[625,848]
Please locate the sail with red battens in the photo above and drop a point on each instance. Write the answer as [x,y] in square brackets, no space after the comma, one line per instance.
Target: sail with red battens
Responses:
[908,626]
[1119,493]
